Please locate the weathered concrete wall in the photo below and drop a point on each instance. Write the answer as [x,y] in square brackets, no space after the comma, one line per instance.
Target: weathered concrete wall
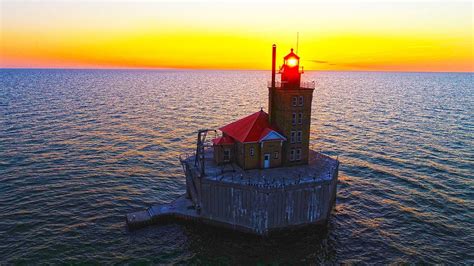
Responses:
[264,200]
[252,201]
[263,209]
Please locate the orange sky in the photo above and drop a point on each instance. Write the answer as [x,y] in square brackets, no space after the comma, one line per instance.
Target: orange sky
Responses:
[336,35]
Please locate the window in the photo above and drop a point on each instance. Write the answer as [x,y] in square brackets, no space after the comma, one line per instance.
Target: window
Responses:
[300,103]
[294,119]
[292,136]
[292,154]
[276,155]
[298,154]
[252,151]
[298,136]
[300,118]
[295,100]
[226,155]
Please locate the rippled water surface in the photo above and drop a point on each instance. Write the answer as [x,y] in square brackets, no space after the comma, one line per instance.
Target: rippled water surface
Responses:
[81,148]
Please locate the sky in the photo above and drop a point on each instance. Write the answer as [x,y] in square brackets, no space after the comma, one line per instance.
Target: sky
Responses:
[333,35]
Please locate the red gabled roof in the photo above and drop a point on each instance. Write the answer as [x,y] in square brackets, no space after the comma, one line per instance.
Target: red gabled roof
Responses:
[291,54]
[223,140]
[249,128]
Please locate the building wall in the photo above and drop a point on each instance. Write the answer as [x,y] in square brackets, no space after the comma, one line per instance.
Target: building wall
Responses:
[251,162]
[281,113]
[219,153]
[243,157]
[239,154]
[271,147]
[245,160]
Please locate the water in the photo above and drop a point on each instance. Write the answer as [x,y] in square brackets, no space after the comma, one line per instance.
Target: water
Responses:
[81,148]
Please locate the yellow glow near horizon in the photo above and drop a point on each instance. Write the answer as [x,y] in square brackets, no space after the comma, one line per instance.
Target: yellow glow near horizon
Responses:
[392,36]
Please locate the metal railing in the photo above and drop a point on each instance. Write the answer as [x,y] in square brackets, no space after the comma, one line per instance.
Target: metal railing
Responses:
[272,180]
[303,85]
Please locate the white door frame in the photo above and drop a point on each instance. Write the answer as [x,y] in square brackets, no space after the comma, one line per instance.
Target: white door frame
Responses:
[266,160]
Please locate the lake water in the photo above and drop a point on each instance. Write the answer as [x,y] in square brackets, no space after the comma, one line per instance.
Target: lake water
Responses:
[81,148]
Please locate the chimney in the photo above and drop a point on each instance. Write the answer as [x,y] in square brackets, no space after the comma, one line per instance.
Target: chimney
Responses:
[272,87]
[274,48]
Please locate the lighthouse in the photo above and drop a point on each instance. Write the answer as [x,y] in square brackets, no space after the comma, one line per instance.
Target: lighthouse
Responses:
[259,175]
[289,107]
[279,137]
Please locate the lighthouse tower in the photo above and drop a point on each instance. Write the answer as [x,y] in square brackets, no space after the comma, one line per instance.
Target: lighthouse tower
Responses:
[289,108]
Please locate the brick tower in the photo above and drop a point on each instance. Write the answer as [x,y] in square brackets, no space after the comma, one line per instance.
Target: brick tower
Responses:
[289,108]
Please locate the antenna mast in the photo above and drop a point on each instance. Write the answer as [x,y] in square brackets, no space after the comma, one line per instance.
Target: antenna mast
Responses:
[297,41]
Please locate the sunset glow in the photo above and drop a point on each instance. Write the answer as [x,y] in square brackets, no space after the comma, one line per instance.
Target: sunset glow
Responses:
[389,36]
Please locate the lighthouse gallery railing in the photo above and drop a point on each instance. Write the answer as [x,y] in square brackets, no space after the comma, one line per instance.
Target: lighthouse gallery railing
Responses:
[303,85]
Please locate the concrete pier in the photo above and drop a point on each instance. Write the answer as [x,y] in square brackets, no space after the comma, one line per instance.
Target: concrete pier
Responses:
[181,208]
[256,201]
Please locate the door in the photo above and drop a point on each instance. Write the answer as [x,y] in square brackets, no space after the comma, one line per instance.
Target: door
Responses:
[266,160]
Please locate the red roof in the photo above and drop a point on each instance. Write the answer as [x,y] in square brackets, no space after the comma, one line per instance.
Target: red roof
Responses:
[291,54]
[223,140]
[250,128]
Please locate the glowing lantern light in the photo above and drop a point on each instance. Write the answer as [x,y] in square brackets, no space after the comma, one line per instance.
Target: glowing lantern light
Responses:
[292,62]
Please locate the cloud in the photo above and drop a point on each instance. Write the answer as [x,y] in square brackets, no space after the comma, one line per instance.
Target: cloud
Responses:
[355,65]
[319,61]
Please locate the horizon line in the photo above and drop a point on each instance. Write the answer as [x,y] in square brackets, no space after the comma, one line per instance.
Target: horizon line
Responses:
[219,69]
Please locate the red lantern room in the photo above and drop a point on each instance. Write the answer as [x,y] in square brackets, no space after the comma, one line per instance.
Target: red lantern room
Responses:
[290,73]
